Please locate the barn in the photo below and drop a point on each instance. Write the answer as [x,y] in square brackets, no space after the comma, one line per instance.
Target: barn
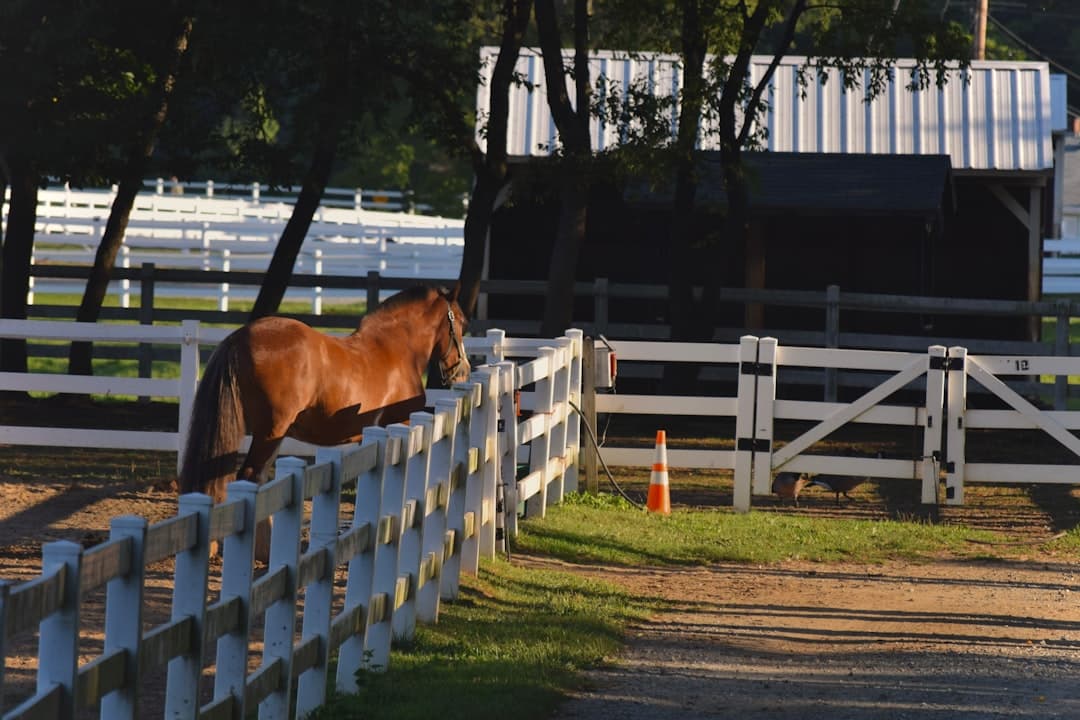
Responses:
[943,191]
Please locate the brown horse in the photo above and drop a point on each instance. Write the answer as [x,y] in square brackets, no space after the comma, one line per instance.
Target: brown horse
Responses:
[277,377]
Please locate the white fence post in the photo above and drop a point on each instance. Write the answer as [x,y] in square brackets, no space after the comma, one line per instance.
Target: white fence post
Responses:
[497,353]
[508,452]
[417,469]
[484,433]
[560,398]
[189,382]
[230,679]
[58,637]
[933,432]
[955,436]
[540,447]
[438,430]
[280,617]
[573,418]
[387,545]
[319,593]
[455,503]
[123,618]
[359,586]
[765,379]
[744,422]
[473,497]
[189,600]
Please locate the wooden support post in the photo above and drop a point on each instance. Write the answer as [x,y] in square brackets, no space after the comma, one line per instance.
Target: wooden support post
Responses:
[123,618]
[832,336]
[589,451]
[935,417]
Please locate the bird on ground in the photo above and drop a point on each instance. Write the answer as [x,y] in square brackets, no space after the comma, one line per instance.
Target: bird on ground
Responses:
[789,485]
[839,484]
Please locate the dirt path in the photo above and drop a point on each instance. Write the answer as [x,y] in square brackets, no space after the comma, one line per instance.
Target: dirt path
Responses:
[946,639]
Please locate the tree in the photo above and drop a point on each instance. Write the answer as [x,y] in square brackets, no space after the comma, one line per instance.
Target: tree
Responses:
[716,41]
[140,151]
[54,113]
[489,169]
[572,122]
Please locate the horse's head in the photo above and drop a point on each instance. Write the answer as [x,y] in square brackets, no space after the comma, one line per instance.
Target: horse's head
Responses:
[453,362]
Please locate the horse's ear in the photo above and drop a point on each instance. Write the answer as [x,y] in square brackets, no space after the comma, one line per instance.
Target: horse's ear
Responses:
[455,291]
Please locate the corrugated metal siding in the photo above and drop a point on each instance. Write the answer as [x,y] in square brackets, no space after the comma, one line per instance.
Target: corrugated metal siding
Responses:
[999,119]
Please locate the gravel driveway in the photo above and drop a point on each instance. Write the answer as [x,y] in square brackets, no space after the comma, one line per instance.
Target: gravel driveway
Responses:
[943,639]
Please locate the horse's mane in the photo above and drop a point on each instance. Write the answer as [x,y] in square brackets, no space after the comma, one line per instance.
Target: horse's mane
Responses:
[408,296]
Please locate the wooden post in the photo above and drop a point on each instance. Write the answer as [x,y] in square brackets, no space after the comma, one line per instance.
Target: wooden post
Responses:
[439,430]
[540,447]
[280,617]
[832,336]
[1061,349]
[765,397]
[573,416]
[560,398]
[955,433]
[455,505]
[387,543]
[359,587]
[58,663]
[230,680]
[935,417]
[508,470]
[372,290]
[146,317]
[189,600]
[123,618]
[189,382]
[744,422]
[319,593]
[417,471]
[589,451]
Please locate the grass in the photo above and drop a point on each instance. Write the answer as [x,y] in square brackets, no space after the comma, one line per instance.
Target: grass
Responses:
[108,367]
[519,637]
[515,638]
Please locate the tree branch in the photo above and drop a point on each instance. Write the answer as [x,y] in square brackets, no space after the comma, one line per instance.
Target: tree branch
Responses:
[785,44]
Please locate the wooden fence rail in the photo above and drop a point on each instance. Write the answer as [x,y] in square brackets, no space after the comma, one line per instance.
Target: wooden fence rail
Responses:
[427,509]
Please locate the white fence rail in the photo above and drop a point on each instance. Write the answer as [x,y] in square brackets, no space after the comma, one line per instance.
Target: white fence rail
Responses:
[214,233]
[1061,256]
[936,387]
[429,506]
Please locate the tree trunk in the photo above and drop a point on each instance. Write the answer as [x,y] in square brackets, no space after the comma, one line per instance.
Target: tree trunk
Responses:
[277,277]
[490,168]
[79,359]
[18,247]
[573,125]
[562,269]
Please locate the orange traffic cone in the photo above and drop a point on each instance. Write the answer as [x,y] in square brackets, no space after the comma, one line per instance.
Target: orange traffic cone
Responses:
[659,498]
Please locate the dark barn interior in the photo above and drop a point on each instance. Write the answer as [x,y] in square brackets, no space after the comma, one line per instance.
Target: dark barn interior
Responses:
[895,224]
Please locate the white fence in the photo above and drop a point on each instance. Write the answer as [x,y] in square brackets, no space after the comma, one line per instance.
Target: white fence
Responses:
[214,233]
[1061,256]
[936,387]
[428,507]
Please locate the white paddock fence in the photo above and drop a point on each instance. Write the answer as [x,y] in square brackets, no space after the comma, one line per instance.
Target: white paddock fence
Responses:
[433,498]
[936,385]
[240,234]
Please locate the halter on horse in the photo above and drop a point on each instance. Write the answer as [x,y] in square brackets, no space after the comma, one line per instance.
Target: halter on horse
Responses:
[277,377]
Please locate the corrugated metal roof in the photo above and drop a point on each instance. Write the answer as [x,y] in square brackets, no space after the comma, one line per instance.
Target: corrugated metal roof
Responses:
[999,119]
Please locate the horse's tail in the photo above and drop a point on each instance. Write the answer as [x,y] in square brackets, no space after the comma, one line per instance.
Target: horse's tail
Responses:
[217,426]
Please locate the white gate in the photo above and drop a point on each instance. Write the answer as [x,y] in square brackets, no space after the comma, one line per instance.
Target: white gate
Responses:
[870,408]
[987,370]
